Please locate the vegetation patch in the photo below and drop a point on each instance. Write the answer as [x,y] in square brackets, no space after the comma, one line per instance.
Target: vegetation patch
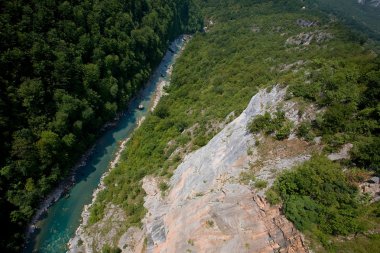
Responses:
[246,177]
[163,186]
[348,89]
[261,184]
[278,125]
[109,249]
[321,201]
[210,223]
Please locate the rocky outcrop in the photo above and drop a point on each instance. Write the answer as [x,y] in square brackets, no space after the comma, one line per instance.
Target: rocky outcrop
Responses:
[306,38]
[255,29]
[207,209]
[344,153]
[371,187]
[307,23]
[373,3]
[294,66]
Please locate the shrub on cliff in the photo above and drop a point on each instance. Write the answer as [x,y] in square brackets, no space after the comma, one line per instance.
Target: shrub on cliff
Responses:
[268,124]
[317,193]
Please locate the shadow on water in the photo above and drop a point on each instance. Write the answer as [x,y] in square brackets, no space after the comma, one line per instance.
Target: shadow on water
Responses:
[56,226]
[100,150]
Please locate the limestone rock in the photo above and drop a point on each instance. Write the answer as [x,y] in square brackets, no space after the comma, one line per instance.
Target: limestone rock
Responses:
[306,23]
[306,38]
[344,153]
[207,210]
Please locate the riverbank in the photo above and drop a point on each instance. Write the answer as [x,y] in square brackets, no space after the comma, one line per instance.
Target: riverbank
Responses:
[162,76]
[65,185]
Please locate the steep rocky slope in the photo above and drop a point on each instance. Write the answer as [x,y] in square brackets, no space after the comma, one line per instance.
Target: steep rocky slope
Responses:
[208,208]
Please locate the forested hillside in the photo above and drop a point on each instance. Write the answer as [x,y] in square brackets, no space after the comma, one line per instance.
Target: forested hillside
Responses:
[363,16]
[67,67]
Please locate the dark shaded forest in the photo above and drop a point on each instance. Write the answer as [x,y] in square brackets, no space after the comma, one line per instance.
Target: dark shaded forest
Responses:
[67,67]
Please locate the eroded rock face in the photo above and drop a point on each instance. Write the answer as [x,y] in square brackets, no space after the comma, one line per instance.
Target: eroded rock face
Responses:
[207,209]
[344,153]
[306,23]
[373,3]
[306,38]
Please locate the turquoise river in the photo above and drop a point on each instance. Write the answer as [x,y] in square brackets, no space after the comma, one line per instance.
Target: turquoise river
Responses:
[58,224]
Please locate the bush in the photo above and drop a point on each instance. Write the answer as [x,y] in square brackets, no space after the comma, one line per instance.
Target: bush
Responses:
[108,249]
[317,193]
[272,197]
[310,92]
[277,124]
[246,177]
[366,153]
[261,184]
[304,130]
[260,123]
[163,186]
[284,131]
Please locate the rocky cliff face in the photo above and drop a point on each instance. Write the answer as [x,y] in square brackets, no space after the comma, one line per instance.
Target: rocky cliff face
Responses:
[208,209]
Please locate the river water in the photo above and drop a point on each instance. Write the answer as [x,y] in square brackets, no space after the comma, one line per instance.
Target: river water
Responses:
[61,220]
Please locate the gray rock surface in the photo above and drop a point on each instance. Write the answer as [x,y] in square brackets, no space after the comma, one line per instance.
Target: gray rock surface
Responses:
[207,210]
[344,153]
[306,38]
[307,23]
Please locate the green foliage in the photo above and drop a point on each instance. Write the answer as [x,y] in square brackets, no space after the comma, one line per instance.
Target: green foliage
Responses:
[363,19]
[366,153]
[284,131]
[318,195]
[304,131]
[67,67]
[210,223]
[246,177]
[349,92]
[163,186]
[109,249]
[261,184]
[96,213]
[260,123]
[278,124]
[309,92]
[360,244]
[272,197]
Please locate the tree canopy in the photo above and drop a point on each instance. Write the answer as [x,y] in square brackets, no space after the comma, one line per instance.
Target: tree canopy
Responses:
[66,68]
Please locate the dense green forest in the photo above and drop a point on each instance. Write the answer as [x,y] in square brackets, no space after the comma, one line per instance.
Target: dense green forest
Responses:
[244,49]
[67,67]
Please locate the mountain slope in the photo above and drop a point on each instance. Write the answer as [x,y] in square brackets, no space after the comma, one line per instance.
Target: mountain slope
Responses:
[330,73]
[363,16]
